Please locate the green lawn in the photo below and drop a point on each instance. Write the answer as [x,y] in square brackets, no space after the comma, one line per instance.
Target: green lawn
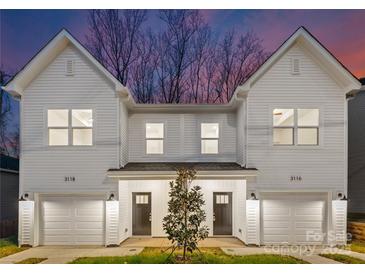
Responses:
[208,256]
[345,259]
[356,246]
[32,261]
[9,246]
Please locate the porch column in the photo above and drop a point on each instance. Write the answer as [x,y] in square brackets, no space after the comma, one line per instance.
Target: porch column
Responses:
[26,223]
[339,223]
[111,223]
[253,222]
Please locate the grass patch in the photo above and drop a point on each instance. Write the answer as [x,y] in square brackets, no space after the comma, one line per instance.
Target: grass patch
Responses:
[32,261]
[345,259]
[9,246]
[208,256]
[356,246]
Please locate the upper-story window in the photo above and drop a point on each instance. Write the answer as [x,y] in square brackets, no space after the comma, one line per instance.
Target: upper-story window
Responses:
[209,138]
[300,123]
[82,127]
[154,138]
[60,125]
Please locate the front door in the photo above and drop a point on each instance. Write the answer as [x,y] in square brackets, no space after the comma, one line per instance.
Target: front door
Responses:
[141,216]
[222,213]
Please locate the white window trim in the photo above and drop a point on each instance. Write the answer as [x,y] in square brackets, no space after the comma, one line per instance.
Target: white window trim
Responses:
[69,128]
[147,139]
[78,127]
[295,127]
[202,139]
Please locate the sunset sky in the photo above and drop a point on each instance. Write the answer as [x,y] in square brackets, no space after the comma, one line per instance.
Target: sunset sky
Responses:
[24,32]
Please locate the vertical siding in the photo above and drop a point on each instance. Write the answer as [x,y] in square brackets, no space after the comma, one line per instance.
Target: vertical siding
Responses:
[123,134]
[182,136]
[241,124]
[356,133]
[43,167]
[320,167]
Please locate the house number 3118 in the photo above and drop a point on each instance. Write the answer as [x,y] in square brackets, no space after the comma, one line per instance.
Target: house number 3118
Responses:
[70,179]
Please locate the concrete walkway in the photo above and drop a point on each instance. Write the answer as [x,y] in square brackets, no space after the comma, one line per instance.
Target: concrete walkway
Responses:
[310,256]
[358,255]
[65,254]
[164,242]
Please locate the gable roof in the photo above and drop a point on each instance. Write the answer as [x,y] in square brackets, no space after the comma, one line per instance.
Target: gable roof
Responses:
[317,49]
[16,85]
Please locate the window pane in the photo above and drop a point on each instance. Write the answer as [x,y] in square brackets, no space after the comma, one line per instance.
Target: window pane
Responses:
[209,146]
[283,117]
[154,130]
[57,118]
[154,146]
[308,117]
[58,137]
[308,136]
[210,130]
[82,118]
[283,136]
[82,137]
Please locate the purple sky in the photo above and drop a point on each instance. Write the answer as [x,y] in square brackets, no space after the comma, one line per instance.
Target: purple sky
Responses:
[24,32]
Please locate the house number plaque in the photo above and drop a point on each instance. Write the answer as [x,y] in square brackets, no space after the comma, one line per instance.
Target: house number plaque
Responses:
[70,179]
[295,178]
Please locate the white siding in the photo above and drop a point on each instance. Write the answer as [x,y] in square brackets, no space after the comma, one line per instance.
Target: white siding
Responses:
[241,131]
[320,167]
[26,223]
[112,223]
[339,222]
[43,167]
[159,194]
[182,137]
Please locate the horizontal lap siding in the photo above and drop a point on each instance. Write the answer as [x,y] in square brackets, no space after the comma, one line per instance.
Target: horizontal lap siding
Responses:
[45,167]
[182,137]
[320,167]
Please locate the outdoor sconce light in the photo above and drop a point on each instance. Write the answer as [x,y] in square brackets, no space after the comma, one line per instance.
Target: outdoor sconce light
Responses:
[24,197]
[253,196]
[111,197]
[344,198]
[339,196]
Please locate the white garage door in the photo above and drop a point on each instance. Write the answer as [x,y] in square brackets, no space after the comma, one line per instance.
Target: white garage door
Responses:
[293,218]
[72,220]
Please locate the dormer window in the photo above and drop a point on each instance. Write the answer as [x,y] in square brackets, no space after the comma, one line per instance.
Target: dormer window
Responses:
[295,66]
[70,67]
[209,138]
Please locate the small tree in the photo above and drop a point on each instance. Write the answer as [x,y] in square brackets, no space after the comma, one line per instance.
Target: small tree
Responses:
[185,214]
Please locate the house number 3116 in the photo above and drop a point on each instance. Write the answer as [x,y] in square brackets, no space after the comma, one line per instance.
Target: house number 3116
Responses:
[70,179]
[296,178]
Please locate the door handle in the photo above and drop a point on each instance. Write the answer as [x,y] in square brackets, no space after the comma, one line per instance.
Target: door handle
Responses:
[213,217]
[150,217]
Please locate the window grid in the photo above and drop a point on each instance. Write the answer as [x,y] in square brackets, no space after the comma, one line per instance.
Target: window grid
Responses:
[295,129]
[54,128]
[285,127]
[70,128]
[204,139]
[75,128]
[161,139]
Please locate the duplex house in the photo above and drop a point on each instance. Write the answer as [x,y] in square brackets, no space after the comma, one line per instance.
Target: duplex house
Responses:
[95,165]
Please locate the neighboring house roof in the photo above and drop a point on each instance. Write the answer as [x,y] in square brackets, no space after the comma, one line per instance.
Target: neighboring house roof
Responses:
[167,170]
[16,85]
[8,163]
[320,53]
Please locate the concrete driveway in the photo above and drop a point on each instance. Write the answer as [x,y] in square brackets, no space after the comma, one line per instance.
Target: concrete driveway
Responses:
[65,254]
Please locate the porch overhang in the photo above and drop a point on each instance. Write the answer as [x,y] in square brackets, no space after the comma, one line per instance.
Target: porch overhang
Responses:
[167,171]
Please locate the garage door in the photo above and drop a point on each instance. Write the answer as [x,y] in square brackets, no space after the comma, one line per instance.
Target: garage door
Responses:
[72,220]
[293,218]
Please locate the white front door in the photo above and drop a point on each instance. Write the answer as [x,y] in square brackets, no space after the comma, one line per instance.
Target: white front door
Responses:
[72,220]
[293,218]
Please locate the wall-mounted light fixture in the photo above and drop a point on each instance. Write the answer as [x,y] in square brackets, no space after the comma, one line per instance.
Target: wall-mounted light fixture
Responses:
[111,197]
[24,197]
[344,198]
[253,196]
